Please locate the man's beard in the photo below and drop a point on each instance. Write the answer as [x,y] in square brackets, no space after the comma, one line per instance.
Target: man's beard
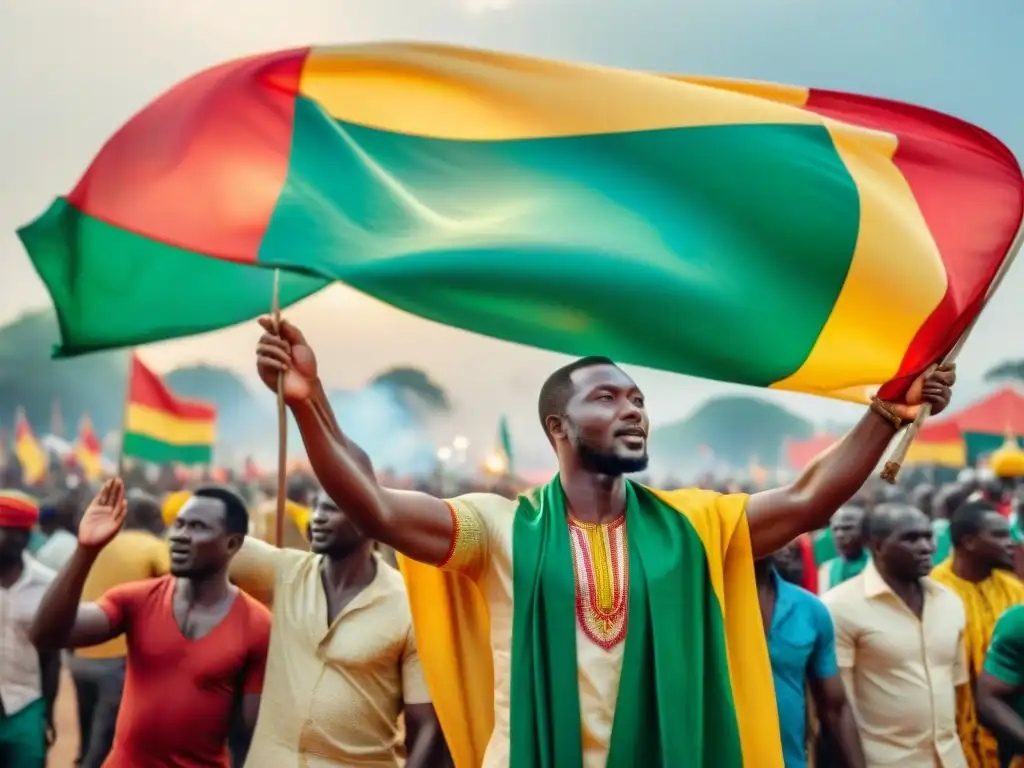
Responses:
[606,463]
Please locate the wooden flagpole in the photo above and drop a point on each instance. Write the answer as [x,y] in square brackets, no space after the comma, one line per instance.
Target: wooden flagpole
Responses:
[892,466]
[282,425]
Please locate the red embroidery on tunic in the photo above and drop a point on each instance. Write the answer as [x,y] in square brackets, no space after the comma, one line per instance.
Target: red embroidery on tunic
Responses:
[601,566]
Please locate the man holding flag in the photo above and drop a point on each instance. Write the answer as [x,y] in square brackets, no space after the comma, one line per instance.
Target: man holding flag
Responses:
[584,557]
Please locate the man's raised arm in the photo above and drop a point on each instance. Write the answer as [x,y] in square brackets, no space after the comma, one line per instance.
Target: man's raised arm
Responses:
[62,621]
[778,516]
[417,525]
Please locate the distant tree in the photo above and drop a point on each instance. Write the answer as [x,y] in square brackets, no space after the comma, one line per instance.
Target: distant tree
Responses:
[243,417]
[31,379]
[409,381]
[210,383]
[97,384]
[737,429]
[1008,370]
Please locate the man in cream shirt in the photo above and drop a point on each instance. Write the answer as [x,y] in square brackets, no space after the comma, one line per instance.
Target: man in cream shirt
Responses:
[342,666]
[899,644]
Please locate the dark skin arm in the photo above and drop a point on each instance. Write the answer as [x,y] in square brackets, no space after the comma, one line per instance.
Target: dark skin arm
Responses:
[61,621]
[836,716]
[415,524]
[992,698]
[778,516]
[425,746]
[49,670]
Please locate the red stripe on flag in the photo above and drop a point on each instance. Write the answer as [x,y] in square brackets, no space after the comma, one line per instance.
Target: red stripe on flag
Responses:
[202,166]
[22,429]
[149,390]
[87,439]
[970,191]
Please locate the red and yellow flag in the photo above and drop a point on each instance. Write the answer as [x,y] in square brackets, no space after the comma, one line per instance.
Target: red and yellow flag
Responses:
[161,427]
[89,450]
[31,455]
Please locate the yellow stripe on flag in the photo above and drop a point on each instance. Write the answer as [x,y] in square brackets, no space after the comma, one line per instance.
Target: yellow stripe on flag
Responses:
[894,248]
[454,93]
[91,463]
[793,95]
[952,454]
[162,426]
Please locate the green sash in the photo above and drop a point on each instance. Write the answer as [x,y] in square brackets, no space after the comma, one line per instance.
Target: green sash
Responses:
[675,704]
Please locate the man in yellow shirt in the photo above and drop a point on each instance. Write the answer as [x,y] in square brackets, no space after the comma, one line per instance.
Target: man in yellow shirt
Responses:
[979,572]
[342,665]
[98,671]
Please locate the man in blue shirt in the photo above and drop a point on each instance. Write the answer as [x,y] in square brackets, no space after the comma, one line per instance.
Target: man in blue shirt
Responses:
[801,644]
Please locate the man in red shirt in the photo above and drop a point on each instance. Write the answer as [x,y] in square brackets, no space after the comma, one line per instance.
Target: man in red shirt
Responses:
[196,644]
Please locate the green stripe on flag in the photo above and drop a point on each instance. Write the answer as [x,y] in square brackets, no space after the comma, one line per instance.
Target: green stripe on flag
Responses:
[709,250]
[112,288]
[144,448]
[979,444]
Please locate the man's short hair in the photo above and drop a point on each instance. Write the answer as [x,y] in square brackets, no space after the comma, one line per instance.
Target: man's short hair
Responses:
[968,519]
[881,521]
[949,500]
[236,516]
[558,388]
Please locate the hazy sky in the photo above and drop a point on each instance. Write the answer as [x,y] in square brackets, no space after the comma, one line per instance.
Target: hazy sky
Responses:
[73,71]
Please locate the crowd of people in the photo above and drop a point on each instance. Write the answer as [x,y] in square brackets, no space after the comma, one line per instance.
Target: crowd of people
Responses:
[893,618]
[911,649]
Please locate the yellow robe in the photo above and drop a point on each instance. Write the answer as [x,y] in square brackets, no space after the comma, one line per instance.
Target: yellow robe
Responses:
[984,602]
[462,618]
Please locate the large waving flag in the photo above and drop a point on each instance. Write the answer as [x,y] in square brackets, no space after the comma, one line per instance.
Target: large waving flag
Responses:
[765,234]
[161,427]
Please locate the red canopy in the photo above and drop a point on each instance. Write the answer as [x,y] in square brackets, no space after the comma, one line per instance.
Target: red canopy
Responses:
[939,431]
[997,414]
[799,453]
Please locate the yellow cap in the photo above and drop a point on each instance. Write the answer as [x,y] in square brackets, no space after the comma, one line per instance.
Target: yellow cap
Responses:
[173,504]
[1008,461]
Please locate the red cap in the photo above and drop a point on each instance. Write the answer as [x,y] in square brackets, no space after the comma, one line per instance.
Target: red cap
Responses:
[17,510]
